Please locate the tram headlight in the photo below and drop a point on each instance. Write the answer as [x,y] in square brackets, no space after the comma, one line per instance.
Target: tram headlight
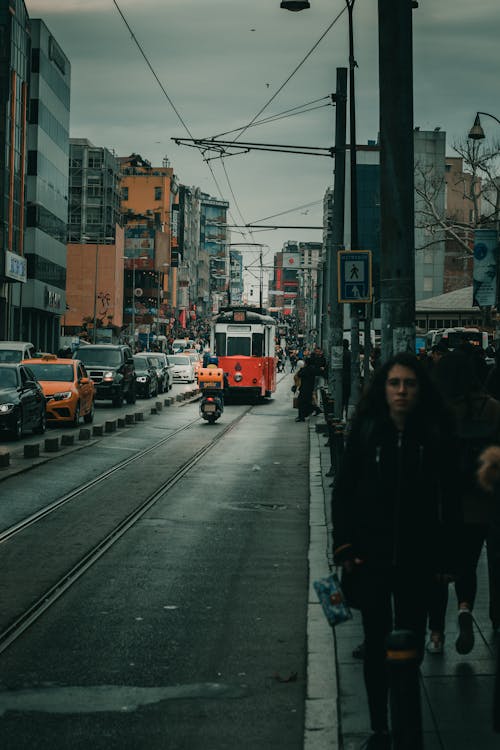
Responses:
[238,377]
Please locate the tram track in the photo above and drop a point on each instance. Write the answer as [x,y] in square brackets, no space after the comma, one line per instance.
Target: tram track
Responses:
[11,631]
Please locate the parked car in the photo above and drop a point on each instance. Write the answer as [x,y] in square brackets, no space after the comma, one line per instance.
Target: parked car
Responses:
[195,360]
[22,403]
[163,370]
[146,379]
[182,367]
[16,351]
[69,392]
[111,367]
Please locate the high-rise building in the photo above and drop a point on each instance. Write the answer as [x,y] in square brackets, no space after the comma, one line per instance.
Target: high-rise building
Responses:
[44,294]
[214,241]
[15,36]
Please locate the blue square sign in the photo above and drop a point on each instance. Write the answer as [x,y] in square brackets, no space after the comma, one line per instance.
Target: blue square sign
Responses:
[355,275]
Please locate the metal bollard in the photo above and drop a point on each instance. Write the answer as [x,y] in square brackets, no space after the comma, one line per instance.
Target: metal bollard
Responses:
[403,661]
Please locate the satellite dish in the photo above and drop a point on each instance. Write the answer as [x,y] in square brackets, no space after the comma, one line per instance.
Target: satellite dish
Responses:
[138,292]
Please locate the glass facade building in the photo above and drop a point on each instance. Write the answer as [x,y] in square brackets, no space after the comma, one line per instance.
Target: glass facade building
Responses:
[44,295]
[15,45]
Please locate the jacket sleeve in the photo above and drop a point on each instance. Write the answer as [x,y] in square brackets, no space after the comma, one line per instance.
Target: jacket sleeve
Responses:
[342,501]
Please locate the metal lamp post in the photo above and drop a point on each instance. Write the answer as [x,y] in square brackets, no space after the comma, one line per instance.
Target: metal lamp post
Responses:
[476,133]
[161,275]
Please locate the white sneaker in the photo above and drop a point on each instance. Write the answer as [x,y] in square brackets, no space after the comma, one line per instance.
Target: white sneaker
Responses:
[435,645]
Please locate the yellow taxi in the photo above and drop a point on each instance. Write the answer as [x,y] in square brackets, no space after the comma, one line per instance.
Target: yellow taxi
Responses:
[68,390]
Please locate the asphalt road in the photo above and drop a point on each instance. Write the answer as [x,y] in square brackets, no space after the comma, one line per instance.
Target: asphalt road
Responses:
[190,632]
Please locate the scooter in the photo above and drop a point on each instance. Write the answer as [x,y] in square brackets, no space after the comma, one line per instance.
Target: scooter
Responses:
[211,385]
[211,406]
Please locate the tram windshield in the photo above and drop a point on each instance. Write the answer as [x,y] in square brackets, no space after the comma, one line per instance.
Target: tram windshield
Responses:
[242,346]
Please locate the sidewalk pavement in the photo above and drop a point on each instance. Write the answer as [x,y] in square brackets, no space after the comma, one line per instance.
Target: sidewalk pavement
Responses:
[457,691]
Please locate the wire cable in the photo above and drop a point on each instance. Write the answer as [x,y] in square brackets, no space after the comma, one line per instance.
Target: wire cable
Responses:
[294,71]
[278,115]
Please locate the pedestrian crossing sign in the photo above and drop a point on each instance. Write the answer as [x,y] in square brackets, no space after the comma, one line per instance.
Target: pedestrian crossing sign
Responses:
[354,276]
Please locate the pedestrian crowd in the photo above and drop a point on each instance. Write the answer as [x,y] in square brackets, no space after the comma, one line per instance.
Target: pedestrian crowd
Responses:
[410,514]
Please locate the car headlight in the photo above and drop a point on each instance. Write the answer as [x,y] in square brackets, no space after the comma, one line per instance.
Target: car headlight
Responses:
[6,408]
[142,379]
[108,375]
[238,377]
[62,395]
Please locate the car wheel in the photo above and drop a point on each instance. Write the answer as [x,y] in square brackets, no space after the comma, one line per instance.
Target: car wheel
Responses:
[18,427]
[42,424]
[89,417]
[76,418]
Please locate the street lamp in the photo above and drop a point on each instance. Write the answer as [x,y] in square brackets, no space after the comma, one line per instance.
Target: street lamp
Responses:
[295,4]
[476,133]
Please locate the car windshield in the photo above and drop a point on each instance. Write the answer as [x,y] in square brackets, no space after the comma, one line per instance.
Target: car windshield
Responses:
[179,360]
[11,355]
[61,373]
[8,377]
[92,357]
[141,364]
[155,361]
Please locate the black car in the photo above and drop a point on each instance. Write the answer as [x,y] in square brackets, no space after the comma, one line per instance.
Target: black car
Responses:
[159,361]
[111,367]
[146,378]
[22,403]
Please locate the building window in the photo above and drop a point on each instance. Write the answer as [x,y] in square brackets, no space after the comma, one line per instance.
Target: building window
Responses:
[428,284]
[124,193]
[157,193]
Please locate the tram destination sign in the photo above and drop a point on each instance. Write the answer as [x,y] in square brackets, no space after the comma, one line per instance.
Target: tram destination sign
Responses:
[354,276]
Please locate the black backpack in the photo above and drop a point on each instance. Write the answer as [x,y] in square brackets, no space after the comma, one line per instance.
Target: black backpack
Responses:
[474,435]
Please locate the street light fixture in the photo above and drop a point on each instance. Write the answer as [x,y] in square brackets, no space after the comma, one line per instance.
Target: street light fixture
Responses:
[295,4]
[476,133]
[161,276]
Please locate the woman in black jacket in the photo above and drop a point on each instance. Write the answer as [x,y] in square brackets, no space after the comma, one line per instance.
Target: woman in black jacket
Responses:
[394,513]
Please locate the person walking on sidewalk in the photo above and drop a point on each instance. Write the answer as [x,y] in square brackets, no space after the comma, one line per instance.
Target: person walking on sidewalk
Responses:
[307,376]
[477,417]
[393,511]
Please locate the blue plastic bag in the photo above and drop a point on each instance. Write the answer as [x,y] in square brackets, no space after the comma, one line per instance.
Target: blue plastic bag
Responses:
[332,599]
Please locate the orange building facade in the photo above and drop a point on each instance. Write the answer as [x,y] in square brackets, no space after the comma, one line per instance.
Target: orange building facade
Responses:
[90,293]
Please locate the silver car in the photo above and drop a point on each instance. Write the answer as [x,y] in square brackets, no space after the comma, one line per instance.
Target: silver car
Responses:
[182,367]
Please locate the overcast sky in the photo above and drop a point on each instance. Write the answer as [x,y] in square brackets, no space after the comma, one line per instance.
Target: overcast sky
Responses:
[220,61]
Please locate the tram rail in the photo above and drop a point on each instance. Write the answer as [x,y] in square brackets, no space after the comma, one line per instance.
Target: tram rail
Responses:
[11,631]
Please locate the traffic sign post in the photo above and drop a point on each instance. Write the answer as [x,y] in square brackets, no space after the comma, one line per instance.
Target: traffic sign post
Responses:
[355,276]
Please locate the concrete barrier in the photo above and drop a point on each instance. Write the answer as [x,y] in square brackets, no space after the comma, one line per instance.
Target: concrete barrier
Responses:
[159,405]
[129,419]
[67,440]
[84,434]
[52,445]
[179,397]
[139,416]
[154,410]
[98,430]
[32,451]
[110,425]
[4,459]
[121,422]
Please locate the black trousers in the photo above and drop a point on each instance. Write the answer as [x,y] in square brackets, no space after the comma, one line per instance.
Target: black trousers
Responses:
[471,545]
[390,598]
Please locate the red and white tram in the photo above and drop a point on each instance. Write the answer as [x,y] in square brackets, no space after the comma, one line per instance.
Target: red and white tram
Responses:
[243,339]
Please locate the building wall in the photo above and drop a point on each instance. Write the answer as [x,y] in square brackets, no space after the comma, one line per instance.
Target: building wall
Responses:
[44,295]
[14,76]
[84,287]
[429,237]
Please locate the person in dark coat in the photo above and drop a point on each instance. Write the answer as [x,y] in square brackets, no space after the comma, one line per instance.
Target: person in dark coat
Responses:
[489,480]
[477,425]
[394,514]
[307,375]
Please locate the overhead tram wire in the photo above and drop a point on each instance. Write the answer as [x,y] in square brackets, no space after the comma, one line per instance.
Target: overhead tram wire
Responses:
[163,89]
[296,69]
[280,115]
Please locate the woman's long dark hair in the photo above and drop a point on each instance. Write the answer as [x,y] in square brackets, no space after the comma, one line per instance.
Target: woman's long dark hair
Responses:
[373,403]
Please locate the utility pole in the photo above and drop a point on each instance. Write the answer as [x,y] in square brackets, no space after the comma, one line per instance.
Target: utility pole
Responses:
[354,395]
[397,223]
[336,235]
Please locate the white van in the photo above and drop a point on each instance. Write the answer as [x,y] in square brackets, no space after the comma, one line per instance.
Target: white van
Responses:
[15,351]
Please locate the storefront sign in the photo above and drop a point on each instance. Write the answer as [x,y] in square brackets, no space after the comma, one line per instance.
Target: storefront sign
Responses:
[15,266]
